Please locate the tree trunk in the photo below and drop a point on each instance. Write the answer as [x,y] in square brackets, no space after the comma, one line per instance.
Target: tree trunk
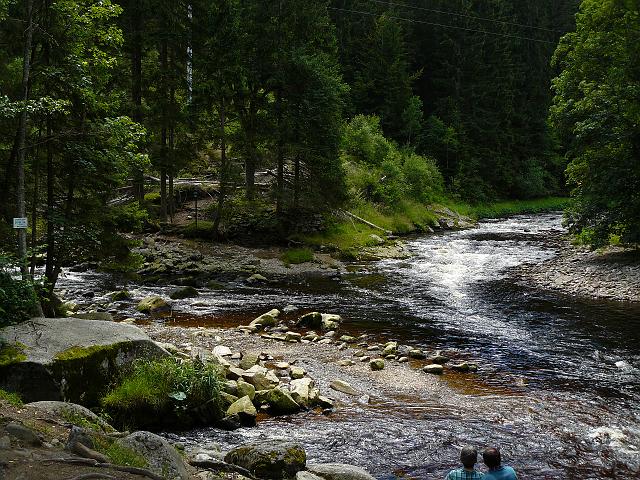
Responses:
[223,170]
[164,67]
[22,134]
[280,159]
[136,87]
[296,183]
[34,214]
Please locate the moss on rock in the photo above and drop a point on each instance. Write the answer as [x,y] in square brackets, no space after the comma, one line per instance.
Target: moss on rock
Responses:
[12,353]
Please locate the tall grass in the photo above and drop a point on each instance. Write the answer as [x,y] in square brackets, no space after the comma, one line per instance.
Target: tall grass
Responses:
[510,207]
[165,392]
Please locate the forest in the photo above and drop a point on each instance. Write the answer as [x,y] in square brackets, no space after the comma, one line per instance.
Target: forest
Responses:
[295,109]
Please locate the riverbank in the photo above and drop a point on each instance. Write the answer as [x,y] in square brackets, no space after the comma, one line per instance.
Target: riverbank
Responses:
[609,274]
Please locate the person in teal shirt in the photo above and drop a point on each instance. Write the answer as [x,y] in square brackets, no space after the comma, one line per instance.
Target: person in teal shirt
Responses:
[468,457]
[492,460]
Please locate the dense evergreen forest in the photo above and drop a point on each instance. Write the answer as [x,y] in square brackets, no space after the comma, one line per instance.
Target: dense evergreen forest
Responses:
[297,107]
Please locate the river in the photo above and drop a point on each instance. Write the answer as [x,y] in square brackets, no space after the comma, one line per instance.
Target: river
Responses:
[559,382]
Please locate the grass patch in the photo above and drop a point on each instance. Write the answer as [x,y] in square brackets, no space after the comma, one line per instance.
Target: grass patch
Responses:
[511,207]
[204,229]
[297,255]
[347,236]
[12,398]
[164,393]
[12,353]
[76,419]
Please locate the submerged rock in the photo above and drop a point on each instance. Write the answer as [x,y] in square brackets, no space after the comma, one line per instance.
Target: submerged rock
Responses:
[434,368]
[342,386]
[184,292]
[269,459]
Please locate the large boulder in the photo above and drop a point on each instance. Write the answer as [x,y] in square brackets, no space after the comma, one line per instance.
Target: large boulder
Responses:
[56,357]
[339,471]
[269,459]
[153,304]
[162,457]
[73,413]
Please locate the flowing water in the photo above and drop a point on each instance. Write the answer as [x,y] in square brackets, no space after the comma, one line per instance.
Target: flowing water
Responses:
[559,381]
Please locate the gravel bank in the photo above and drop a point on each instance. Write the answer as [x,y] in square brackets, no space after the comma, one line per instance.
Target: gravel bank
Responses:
[610,275]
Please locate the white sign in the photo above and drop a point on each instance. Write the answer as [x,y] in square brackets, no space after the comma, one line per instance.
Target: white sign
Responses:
[20,222]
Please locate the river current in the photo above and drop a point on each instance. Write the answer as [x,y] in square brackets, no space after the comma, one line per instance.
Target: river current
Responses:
[559,382]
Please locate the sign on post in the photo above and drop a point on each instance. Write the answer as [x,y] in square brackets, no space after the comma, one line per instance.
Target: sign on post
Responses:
[20,222]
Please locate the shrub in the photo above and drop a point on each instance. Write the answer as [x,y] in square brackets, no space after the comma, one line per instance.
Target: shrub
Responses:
[129,218]
[18,300]
[12,398]
[424,180]
[167,393]
[204,229]
[152,198]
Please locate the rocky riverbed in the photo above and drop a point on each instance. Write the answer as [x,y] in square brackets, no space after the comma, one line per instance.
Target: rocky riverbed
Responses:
[612,274]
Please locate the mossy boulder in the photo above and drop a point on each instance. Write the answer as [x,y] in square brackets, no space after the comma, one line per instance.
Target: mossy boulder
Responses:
[244,408]
[73,413]
[69,359]
[281,402]
[153,304]
[269,319]
[119,296]
[163,459]
[376,364]
[269,459]
[184,292]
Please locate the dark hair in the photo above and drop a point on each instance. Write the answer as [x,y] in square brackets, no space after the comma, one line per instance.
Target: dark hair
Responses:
[491,457]
[468,456]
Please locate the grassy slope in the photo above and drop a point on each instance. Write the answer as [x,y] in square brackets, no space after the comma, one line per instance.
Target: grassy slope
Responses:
[347,236]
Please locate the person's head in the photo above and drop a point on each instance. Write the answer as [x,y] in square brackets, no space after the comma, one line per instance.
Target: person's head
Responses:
[468,457]
[491,457]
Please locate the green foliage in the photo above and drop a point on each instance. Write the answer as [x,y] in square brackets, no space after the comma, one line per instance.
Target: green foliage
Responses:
[596,113]
[297,255]
[129,218]
[18,299]
[378,171]
[165,392]
[12,398]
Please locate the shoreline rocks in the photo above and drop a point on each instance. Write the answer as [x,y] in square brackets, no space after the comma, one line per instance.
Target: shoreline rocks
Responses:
[58,355]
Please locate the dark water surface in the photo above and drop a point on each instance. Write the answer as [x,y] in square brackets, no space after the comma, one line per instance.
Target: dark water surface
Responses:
[559,381]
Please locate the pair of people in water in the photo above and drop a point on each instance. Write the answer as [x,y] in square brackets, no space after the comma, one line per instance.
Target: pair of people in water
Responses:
[493,461]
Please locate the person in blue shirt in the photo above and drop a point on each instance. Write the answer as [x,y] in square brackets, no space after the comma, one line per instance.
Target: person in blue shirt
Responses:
[468,457]
[492,460]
